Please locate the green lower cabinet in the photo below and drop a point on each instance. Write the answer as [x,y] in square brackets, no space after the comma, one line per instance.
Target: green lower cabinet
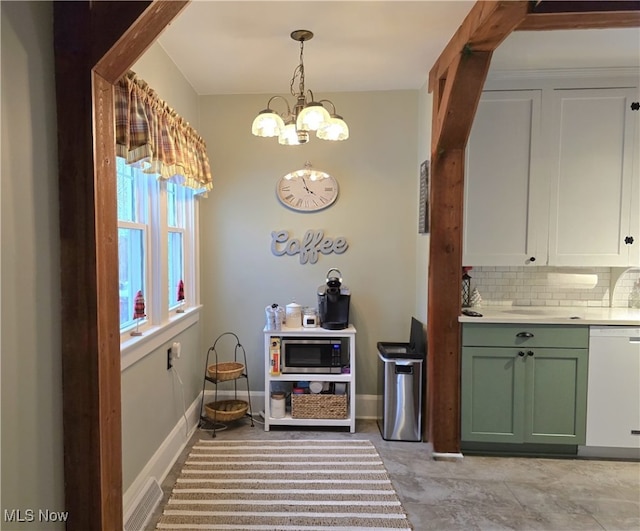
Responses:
[524,395]
[556,396]
[492,395]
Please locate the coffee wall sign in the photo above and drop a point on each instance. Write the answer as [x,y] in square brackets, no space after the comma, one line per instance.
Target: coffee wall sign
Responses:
[312,244]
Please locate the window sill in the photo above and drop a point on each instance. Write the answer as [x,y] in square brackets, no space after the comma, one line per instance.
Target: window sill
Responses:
[133,349]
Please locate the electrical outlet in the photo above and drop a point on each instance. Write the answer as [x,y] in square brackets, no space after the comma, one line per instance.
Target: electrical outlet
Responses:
[169,360]
[175,350]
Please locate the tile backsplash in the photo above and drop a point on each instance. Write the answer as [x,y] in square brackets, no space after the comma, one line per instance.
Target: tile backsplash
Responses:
[554,286]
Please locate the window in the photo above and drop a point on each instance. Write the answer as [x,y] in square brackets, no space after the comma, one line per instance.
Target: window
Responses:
[176,226]
[133,215]
[156,243]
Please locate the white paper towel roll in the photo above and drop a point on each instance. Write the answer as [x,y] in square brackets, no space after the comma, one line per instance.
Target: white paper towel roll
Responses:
[572,280]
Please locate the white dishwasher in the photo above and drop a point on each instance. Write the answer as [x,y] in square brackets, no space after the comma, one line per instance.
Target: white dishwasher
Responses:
[613,393]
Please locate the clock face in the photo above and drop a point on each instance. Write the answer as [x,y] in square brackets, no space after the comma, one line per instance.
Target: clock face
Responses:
[306,195]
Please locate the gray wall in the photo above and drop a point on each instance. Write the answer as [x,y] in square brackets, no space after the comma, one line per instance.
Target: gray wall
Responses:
[154,400]
[376,212]
[32,455]
[161,73]
[422,240]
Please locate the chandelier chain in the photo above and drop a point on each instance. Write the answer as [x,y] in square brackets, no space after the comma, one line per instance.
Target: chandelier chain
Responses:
[298,72]
[293,127]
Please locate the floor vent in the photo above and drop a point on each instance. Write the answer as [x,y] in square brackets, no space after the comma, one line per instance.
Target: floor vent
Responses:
[143,506]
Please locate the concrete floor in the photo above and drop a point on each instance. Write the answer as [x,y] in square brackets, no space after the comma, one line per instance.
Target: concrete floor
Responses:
[482,493]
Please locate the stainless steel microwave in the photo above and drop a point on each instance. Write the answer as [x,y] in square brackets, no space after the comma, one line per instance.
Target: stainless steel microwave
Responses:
[315,355]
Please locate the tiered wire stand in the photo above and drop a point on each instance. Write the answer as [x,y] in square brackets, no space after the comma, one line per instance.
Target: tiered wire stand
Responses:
[218,369]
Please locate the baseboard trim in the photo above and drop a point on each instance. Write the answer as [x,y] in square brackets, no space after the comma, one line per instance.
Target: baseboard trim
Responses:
[607,452]
[445,456]
[367,406]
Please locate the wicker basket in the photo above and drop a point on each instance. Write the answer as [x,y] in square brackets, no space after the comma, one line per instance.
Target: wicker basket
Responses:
[226,410]
[225,371]
[318,406]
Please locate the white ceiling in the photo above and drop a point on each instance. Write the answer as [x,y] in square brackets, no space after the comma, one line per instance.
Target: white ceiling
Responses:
[240,47]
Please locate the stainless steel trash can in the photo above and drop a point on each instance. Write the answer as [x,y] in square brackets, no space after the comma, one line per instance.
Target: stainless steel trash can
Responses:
[400,383]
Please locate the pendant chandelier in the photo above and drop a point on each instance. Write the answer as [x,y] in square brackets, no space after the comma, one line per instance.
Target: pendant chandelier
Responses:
[292,127]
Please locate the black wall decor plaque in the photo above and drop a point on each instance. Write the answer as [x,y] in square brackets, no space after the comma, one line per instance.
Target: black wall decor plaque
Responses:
[423,207]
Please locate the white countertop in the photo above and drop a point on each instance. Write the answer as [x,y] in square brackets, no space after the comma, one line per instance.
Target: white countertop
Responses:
[310,331]
[555,315]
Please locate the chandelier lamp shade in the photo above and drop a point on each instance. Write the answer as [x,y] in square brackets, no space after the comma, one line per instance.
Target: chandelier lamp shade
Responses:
[293,126]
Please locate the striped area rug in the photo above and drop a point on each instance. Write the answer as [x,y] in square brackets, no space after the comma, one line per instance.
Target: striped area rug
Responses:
[284,485]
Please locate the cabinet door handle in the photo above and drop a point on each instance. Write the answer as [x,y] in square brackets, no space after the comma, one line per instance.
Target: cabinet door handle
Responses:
[521,354]
[628,240]
[529,352]
[524,334]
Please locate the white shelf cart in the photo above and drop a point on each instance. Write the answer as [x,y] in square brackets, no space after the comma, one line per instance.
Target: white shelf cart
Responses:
[349,379]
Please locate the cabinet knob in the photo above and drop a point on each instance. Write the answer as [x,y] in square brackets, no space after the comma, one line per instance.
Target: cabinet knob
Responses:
[529,352]
[532,259]
[628,240]
[524,334]
[521,354]
[635,106]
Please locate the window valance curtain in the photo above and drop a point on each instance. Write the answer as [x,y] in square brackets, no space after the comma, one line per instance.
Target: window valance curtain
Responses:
[153,136]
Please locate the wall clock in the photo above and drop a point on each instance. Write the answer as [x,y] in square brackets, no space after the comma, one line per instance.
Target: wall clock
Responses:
[305,191]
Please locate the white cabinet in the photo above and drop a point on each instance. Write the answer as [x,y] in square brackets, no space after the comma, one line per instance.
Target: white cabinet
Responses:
[594,178]
[552,178]
[504,220]
[275,383]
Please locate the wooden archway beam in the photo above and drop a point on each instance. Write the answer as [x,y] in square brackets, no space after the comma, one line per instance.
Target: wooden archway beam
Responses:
[459,98]
[116,55]
[456,81]
[490,22]
[483,29]
[563,15]
[94,43]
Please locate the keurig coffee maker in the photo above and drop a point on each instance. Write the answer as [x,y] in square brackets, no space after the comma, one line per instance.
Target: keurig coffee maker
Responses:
[333,302]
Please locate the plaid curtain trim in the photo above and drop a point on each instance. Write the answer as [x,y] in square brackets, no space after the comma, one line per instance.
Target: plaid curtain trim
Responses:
[151,135]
